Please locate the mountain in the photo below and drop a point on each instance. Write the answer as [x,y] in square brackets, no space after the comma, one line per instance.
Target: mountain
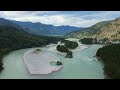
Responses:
[88,32]
[105,29]
[45,29]
[12,38]
[39,28]
[5,22]
[111,30]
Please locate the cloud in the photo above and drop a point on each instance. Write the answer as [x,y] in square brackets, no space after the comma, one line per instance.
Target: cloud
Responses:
[57,18]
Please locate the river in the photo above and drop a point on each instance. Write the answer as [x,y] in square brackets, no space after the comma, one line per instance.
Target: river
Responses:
[82,66]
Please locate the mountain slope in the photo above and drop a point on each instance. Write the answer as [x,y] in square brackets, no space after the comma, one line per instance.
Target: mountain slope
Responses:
[44,29]
[111,30]
[88,32]
[39,28]
[12,38]
[5,22]
[101,30]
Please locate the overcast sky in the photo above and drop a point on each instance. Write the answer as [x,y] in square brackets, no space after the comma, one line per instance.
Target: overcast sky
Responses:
[57,18]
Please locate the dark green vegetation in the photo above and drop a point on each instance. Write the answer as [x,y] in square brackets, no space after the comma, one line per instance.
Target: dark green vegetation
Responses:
[37,50]
[12,38]
[67,45]
[5,22]
[65,48]
[95,41]
[62,48]
[71,44]
[87,41]
[110,56]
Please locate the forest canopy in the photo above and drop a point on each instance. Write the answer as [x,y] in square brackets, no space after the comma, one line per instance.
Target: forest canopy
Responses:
[110,56]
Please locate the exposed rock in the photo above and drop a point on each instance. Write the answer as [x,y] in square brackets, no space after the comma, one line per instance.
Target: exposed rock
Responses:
[69,54]
[59,63]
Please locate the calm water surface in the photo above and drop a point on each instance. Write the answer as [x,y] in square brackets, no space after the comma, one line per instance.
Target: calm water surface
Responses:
[82,66]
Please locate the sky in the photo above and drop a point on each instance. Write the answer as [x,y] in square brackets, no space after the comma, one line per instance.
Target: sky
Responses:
[57,18]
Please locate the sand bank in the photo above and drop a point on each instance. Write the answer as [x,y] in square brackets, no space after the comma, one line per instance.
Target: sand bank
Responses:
[40,63]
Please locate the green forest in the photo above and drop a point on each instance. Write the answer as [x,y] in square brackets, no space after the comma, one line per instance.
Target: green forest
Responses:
[13,39]
[66,47]
[110,56]
[87,41]
[62,48]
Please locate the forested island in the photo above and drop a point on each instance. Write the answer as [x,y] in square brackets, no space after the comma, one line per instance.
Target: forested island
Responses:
[66,47]
[95,41]
[86,41]
[12,38]
[110,56]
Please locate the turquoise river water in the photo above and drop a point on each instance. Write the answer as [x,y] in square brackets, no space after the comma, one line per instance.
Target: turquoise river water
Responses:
[82,66]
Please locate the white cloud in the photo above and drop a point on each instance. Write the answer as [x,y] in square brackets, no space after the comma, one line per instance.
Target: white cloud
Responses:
[60,18]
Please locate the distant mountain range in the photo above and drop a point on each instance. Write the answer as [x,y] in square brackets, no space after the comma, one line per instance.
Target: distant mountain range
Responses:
[39,28]
[44,29]
[106,29]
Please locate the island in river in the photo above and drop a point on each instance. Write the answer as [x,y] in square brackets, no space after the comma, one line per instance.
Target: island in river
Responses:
[82,66]
[39,63]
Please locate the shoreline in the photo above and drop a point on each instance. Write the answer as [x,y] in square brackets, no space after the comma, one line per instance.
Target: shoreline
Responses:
[105,75]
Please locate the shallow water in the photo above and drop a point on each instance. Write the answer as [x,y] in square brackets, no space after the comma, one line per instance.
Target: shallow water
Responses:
[82,66]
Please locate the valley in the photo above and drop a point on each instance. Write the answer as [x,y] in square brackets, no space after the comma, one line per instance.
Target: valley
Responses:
[69,46]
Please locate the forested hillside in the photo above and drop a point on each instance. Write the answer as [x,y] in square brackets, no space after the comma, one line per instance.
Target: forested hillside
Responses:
[12,38]
[110,56]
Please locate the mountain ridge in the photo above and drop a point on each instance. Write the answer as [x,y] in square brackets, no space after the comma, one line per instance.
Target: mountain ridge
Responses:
[38,28]
[105,29]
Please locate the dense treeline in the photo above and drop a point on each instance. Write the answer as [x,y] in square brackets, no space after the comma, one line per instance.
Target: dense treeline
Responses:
[70,44]
[110,55]
[62,48]
[95,41]
[66,47]
[14,38]
[87,41]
